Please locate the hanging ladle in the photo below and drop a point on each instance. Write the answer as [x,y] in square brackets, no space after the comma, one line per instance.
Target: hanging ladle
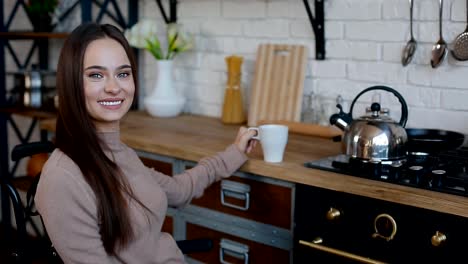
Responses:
[439,50]
[410,48]
[460,45]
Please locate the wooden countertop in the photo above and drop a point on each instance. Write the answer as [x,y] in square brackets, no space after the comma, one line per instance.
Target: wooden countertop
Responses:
[191,137]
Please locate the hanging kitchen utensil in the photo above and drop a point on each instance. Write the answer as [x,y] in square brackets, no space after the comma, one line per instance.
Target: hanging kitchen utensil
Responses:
[376,137]
[432,140]
[277,88]
[439,50]
[410,48]
[460,44]
[233,111]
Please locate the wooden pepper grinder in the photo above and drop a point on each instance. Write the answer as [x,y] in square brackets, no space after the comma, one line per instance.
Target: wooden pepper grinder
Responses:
[233,111]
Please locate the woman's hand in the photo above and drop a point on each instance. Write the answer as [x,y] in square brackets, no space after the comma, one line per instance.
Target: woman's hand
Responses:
[244,141]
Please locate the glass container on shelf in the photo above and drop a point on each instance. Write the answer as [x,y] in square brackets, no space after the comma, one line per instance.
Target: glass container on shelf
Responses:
[310,114]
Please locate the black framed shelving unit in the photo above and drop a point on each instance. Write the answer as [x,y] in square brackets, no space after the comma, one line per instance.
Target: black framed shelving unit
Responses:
[91,10]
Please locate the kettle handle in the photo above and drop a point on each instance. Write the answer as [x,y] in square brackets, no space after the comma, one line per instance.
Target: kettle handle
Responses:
[404,106]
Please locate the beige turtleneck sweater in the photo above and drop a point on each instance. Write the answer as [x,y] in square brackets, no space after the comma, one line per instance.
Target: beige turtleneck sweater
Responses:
[67,204]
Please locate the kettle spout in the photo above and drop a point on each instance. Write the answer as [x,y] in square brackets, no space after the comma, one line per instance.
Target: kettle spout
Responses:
[336,120]
[341,119]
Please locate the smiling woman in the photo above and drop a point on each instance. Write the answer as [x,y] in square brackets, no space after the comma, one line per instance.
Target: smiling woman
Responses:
[82,88]
[93,187]
[108,83]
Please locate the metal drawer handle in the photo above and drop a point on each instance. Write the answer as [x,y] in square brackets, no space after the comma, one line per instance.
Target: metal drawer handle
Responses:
[233,249]
[316,245]
[236,190]
[386,220]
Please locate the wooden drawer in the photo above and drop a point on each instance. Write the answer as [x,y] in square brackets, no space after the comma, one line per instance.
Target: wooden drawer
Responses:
[161,166]
[256,252]
[268,203]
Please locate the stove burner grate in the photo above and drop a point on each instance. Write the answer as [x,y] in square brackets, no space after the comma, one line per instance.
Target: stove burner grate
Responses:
[445,172]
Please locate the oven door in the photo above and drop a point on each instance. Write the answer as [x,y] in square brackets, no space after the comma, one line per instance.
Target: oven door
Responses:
[335,227]
[325,231]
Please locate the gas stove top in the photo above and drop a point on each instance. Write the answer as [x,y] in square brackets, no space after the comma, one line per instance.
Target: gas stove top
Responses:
[445,172]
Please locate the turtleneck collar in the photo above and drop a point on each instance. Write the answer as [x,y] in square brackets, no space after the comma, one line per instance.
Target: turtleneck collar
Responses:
[112,139]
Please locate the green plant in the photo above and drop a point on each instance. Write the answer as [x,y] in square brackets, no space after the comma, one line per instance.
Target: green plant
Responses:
[41,6]
[143,35]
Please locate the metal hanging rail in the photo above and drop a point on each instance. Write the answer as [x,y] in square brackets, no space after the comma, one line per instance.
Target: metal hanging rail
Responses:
[318,22]
[318,26]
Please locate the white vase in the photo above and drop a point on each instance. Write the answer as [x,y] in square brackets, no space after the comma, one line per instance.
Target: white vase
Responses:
[164,100]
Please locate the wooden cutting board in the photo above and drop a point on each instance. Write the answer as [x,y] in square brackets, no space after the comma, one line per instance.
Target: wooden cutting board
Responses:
[276,92]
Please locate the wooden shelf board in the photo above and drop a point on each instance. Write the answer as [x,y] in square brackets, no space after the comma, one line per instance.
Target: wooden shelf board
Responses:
[35,113]
[32,35]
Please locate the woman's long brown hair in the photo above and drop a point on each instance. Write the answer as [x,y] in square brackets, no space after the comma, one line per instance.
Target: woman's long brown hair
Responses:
[76,136]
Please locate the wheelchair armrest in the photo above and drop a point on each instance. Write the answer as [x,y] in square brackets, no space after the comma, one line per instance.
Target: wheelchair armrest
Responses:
[29,149]
[195,245]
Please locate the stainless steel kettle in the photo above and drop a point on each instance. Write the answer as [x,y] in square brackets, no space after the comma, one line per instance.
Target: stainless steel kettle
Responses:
[376,137]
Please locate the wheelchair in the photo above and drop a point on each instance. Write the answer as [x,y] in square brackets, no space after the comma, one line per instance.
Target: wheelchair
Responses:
[22,249]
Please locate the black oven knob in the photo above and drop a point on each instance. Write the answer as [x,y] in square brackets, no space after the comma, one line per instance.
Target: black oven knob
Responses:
[435,179]
[438,239]
[385,227]
[394,171]
[374,169]
[415,174]
[333,214]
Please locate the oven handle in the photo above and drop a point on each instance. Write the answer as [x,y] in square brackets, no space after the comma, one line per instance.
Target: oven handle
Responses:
[316,245]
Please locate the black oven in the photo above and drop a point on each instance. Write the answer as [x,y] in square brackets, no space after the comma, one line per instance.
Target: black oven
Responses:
[336,227]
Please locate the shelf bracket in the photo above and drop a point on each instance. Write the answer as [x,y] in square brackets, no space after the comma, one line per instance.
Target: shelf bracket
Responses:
[172,11]
[318,26]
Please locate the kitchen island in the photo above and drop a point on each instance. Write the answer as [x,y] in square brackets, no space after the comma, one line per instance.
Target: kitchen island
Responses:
[191,137]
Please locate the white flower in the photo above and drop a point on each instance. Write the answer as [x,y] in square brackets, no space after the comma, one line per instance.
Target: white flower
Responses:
[143,35]
[142,31]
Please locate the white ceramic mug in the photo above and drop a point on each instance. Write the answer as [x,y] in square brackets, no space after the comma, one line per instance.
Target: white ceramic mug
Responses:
[273,139]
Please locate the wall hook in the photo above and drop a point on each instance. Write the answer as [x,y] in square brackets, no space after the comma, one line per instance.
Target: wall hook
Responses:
[318,26]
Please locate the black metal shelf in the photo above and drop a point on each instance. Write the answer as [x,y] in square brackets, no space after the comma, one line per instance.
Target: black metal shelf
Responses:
[172,18]
[40,43]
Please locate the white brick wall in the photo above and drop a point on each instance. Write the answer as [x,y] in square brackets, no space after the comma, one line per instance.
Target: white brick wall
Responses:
[365,39]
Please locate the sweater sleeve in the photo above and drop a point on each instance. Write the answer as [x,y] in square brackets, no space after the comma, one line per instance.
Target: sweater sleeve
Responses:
[70,217]
[181,188]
